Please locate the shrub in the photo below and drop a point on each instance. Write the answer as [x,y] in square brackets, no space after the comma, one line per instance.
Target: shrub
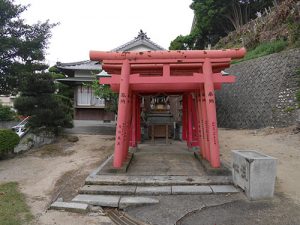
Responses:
[6,114]
[8,140]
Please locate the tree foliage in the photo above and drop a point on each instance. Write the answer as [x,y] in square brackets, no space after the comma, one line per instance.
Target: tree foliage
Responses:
[45,108]
[104,91]
[214,19]
[61,89]
[22,46]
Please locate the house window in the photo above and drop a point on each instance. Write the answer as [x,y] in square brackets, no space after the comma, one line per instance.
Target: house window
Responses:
[85,97]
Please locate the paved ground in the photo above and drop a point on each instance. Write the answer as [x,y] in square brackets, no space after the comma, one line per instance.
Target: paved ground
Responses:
[220,209]
[41,172]
[92,127]
[279,211]
[162,159]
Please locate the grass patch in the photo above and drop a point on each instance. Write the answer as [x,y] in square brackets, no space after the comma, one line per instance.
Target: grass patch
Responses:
[265,49]
[13,208]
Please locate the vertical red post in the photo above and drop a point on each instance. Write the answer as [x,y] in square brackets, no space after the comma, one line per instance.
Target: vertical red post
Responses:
[190,121]
[128,126]
[204,123]
[122,110]
[211,114]
[134,122]
[195,123]
[138,119]
[200,125]
[184,117]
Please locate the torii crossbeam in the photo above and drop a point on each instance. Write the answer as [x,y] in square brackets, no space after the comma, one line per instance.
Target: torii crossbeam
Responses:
[195,74]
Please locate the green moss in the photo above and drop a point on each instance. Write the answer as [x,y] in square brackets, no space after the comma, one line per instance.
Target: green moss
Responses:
[13,208]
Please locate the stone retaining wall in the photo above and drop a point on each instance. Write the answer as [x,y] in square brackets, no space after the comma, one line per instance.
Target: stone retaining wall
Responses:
[264,93]
[8,124]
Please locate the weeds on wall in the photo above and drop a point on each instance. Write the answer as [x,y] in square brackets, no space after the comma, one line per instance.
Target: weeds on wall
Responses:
[263,49]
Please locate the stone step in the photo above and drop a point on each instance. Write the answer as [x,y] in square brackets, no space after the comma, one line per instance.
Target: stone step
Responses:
[156,190]
[157,180]
[70,206]
[99,200]
[136,201]
[153,190]
[115,201]
[108,190]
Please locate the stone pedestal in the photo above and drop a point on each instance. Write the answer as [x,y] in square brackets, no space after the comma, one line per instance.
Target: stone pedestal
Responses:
[255,173]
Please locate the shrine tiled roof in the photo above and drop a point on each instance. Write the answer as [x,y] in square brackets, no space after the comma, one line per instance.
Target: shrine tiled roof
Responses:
[141,39]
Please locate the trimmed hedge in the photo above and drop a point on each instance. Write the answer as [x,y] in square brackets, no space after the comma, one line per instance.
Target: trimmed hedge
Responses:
[8,140]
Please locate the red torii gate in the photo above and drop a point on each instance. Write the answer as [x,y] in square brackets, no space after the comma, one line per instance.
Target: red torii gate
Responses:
[195,74]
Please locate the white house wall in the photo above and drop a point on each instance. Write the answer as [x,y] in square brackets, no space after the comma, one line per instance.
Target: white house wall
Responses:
[83,73]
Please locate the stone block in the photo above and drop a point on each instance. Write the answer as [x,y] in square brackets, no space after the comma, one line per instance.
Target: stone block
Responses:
[190,190]
[100,200]
[255,173]
[136,201]
[153,190]
[108,189]
[224,189]
[70,206]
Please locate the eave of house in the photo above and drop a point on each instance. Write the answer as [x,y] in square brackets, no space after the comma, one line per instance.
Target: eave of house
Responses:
[70,68]
[78,80]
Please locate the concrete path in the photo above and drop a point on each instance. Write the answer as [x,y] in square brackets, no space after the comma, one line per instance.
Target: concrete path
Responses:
[159,160]
[92,127]
[223,209]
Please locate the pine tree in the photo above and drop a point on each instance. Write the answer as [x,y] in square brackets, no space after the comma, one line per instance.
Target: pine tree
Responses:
[39,101]
[22,46]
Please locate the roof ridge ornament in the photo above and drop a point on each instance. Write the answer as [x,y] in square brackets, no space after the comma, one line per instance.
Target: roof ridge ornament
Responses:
[142,35]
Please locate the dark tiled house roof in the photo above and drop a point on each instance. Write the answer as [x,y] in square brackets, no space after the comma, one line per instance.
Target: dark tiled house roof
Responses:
[82,65]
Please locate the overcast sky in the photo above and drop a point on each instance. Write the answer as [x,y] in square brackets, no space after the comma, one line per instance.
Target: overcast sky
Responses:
[106,24]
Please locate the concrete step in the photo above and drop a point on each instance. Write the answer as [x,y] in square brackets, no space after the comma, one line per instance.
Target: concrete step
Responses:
[70,206]
[99,200]
[156,190]
[108,190]
[136,201]
[115,201]
[157,180]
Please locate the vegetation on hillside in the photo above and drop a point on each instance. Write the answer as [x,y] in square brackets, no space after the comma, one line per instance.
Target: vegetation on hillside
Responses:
[214,19]
[13,208]
[281,22]
[263,49]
